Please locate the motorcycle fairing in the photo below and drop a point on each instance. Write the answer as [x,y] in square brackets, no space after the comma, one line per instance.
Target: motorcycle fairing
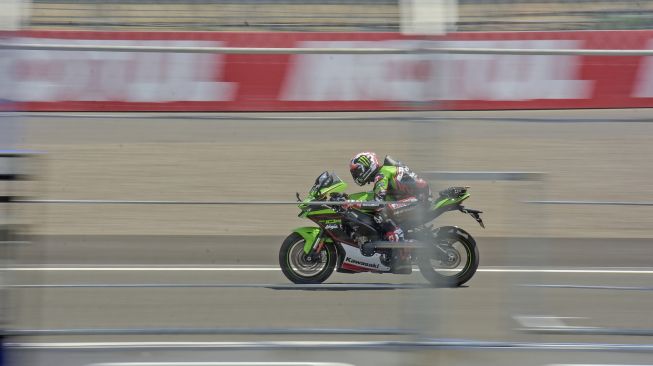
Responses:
[353,260]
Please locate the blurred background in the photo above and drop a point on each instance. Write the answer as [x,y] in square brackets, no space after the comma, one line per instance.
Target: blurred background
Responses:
[166,271]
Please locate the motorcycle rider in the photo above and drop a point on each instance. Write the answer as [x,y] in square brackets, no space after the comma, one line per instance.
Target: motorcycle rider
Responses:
[393,181]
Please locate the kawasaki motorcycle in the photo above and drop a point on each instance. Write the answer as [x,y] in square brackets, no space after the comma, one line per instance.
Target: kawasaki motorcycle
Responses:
[447,256]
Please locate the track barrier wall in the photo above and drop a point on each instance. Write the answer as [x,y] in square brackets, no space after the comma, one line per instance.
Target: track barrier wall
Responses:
[46,80]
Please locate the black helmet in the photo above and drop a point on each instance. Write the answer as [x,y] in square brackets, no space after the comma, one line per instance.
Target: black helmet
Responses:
[363,167]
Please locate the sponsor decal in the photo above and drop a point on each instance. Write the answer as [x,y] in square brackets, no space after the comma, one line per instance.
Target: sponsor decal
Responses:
[360,263]
[53,76]
[360,77]
[514,77]
[429,77]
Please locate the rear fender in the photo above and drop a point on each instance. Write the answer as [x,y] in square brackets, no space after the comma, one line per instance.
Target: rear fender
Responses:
[310,235]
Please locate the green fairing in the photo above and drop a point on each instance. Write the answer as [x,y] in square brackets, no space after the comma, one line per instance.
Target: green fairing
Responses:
[309,234]
[362,196]
[451,201]
[320,212]
[320,195]
[336,188]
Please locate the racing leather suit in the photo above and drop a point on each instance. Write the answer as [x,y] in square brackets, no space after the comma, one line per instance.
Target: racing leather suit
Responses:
[394,181]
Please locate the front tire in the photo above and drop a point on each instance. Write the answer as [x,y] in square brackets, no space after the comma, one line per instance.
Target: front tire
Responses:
[450,260]
[298,269]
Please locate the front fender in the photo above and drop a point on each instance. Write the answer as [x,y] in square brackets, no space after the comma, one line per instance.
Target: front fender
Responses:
[310,235]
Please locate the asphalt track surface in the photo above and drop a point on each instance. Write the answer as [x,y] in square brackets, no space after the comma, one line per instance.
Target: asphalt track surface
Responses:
[543,301]
[177,285]
[201,250]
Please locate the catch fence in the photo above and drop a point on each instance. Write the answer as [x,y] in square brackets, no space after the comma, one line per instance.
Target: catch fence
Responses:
[333,15]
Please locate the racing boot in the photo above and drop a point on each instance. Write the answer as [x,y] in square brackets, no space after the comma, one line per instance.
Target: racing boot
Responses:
[401,263]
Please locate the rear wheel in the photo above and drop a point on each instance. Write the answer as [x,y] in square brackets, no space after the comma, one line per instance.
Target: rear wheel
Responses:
[450,260]
[302,269]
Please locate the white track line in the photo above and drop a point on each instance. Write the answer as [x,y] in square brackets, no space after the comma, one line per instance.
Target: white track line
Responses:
[177,363]
[595,364]
[588,270]
[168,345]
[145,269]
[332,345]
[569,270]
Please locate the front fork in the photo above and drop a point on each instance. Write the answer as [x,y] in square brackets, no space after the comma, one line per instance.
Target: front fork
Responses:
[316,248]
[313,241]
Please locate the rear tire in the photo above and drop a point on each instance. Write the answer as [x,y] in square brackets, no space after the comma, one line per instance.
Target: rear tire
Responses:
[297,269]
[431,254]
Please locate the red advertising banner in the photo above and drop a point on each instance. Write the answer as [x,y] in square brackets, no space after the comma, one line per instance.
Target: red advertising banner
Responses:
[140,81]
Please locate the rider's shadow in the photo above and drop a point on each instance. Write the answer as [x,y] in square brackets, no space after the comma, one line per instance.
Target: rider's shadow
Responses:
[354,287]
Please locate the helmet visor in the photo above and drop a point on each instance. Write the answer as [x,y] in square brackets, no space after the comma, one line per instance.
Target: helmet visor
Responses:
[358,173]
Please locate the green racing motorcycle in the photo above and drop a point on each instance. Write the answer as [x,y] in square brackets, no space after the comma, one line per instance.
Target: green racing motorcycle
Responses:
[446,256]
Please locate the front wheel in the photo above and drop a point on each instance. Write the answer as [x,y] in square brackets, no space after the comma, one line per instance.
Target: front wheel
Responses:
[301,269]
[449,260]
